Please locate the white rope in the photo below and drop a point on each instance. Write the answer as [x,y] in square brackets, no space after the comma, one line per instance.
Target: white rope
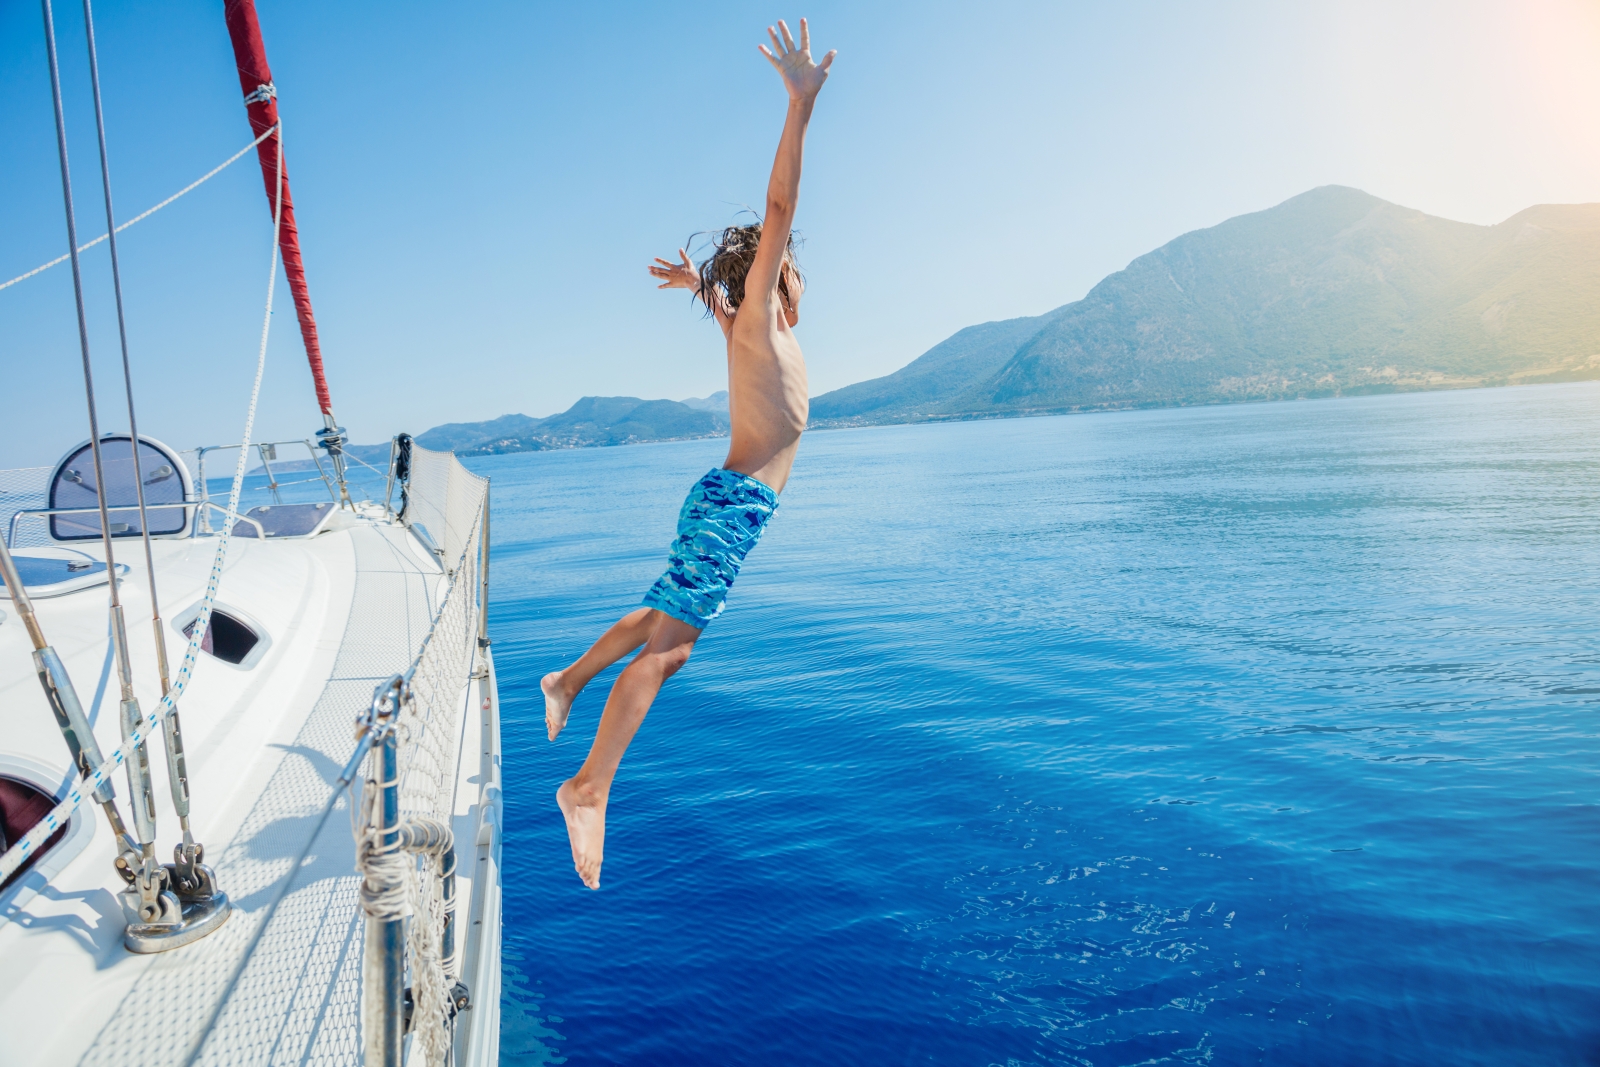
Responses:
[262,94]
[382,868]
[19,852]
[231,160]
[430,997]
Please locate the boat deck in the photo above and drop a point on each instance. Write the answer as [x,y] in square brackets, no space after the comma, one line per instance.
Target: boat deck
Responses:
[280,981]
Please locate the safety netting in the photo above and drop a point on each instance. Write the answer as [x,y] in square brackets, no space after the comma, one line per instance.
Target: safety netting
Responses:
[444,493]
[443,500]
[24,489]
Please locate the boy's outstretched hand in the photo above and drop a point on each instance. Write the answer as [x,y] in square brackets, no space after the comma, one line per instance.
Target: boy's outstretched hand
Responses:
[801,76]
[677,275]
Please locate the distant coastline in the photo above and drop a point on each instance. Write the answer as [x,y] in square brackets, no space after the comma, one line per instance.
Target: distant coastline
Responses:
[378,454]
[1333,293]
[1375,389]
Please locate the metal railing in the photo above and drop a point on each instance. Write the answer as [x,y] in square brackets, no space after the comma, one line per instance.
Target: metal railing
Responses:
[200,498]
[405,849]
[267,451]
[11,532]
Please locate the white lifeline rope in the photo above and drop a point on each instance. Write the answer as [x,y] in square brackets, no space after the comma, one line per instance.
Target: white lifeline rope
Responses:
[140,218]
[82,788]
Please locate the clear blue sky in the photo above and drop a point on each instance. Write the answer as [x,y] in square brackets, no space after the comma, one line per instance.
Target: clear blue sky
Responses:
[480,186]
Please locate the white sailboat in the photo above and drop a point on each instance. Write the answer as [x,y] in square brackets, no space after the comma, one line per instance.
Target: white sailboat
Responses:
[331,798]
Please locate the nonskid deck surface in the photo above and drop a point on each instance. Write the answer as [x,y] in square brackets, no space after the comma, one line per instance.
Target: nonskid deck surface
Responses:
[347,610]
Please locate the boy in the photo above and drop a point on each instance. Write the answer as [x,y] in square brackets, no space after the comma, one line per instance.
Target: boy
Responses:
[753,289]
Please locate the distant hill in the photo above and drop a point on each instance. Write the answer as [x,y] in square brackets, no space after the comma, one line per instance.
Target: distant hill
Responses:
[594,420]
[288,463]
[1333,292]
[938,376]
[717,401]
[459,436]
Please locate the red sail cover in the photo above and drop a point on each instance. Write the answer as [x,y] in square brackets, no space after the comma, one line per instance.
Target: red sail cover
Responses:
[262,106]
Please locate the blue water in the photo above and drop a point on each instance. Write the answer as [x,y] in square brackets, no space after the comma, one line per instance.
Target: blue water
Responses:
[1250,734]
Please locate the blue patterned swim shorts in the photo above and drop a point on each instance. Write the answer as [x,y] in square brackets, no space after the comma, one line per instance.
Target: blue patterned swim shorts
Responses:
[721,521]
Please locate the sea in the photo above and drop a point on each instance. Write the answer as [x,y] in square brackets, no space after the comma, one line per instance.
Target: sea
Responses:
[1252,734]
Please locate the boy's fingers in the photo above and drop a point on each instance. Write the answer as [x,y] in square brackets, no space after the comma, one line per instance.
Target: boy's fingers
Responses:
[805,36]
[827,60]
[770,57]
[788,40]
[777,45]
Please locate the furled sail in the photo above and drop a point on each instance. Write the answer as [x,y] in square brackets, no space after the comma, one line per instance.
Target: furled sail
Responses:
[261,102]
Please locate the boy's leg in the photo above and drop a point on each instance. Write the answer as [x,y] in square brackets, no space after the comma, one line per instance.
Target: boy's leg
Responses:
[561,688]
[583,796]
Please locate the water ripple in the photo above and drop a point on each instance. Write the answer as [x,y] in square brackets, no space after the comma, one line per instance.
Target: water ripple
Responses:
[1259,734]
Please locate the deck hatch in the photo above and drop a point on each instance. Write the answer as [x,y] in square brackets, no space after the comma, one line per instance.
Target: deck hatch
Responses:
[232,636]
[47,576]
[22,805]
[286,520]
[166,482]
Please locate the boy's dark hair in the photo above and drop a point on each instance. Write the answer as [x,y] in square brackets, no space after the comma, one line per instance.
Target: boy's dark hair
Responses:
[731,259]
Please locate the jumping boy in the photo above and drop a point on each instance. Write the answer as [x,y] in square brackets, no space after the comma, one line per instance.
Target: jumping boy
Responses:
[751,285]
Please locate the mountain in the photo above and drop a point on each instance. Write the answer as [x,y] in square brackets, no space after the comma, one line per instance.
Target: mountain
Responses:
[1332,292]
[717,401]
[285,461]
[934,378]
[457,436]
[593,420]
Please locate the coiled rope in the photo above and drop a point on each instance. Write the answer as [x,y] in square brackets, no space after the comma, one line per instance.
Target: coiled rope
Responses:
[82,788]
[382,867]
[392,888]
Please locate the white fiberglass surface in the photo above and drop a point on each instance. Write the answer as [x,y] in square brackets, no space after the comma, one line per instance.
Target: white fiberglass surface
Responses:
[344,610]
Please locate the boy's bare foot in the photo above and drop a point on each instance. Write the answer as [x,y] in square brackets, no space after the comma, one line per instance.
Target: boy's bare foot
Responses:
[586,829]
[557,704]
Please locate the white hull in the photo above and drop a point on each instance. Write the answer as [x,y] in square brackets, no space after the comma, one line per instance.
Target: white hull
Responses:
[281,981]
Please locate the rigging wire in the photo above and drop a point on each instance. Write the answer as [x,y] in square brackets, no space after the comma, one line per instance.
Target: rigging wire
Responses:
[212,173]
[141,797]
[122,333]
[80,789]
[177,766]
[83,321]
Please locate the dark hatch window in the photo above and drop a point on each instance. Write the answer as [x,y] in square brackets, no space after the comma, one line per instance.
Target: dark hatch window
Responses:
[283,520]
[73,486]
[226,638]
[21,808]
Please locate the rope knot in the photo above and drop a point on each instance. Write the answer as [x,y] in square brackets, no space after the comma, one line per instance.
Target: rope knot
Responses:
[262,94]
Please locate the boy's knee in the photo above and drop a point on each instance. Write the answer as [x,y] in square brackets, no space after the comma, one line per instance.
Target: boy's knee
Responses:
[671,660]
[663,663]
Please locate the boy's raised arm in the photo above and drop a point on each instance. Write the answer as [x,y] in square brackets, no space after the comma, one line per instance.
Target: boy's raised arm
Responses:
[803,78]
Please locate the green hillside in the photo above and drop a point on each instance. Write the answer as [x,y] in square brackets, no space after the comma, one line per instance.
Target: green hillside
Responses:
[937,376]
[1333,292]
[592,421]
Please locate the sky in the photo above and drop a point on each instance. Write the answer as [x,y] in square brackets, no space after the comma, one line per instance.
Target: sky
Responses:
[480,187]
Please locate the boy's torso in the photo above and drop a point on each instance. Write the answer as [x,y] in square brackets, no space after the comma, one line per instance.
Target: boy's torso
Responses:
[768,399]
